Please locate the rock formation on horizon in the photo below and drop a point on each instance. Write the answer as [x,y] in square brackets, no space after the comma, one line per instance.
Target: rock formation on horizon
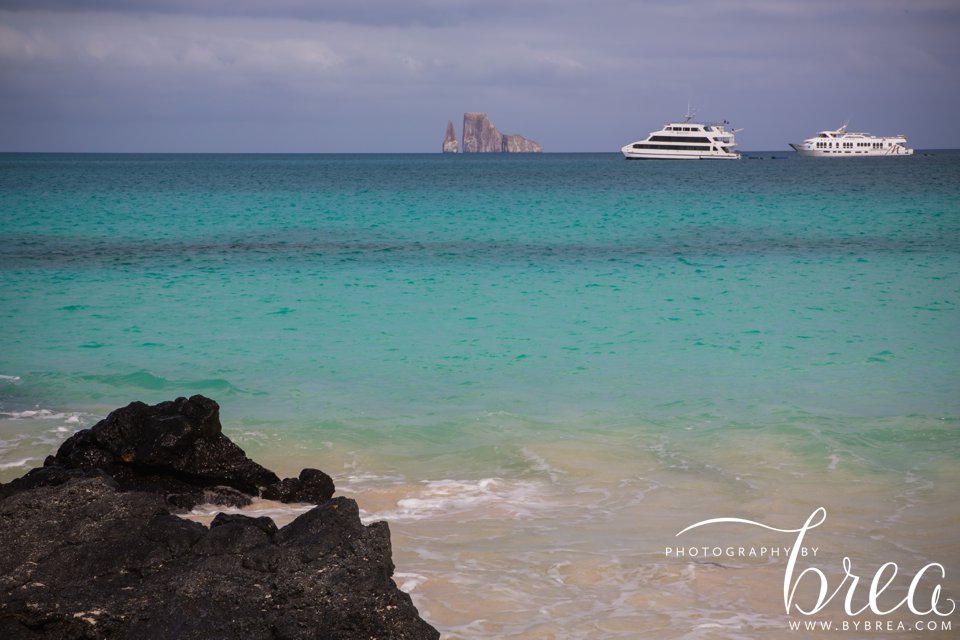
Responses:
[480,136]
[92,548]
[450,140]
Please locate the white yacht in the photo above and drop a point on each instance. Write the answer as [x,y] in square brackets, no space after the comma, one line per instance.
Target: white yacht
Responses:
[841,143]
[686,140]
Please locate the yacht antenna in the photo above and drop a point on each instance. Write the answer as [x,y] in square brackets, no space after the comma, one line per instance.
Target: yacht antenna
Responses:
[690,113]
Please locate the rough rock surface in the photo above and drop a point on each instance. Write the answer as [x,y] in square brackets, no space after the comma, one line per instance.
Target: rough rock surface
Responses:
[450,139]
[91,549]
[480,136]
[519,144]
[176,448]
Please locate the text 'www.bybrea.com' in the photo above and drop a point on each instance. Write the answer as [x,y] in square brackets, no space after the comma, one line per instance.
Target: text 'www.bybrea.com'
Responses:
[880,626]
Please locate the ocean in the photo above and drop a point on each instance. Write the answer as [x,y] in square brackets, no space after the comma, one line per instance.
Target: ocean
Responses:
[539,369]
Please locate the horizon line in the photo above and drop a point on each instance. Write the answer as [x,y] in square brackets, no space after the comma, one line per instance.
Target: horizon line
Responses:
[375,153]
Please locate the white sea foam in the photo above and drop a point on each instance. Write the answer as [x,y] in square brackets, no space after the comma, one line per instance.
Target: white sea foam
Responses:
[358,479]
[439,498]
[5,378]
[35,414]
[29,435]
[279,512]
[540,464]
[15,464]
[409,581]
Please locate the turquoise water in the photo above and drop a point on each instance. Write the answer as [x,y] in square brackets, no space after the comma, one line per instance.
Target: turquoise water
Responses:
[399,285]
[436,318]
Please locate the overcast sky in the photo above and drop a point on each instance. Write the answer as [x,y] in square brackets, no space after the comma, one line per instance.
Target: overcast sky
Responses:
[386,75]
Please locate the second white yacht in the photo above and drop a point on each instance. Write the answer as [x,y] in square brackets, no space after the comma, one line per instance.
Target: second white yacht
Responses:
[841,143]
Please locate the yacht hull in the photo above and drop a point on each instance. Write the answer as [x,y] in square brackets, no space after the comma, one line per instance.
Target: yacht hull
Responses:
[664,156]
[891,152]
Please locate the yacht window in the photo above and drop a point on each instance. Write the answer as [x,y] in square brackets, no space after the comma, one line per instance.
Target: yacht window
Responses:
[678,139]
[670,147]
[708,128]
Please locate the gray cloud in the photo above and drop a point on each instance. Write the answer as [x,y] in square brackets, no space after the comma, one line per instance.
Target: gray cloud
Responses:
[430,13]
[340,76]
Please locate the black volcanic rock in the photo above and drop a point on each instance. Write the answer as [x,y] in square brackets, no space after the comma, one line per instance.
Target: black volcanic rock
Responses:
[91,549]
[175,448]
[82,560]
[312,486]
[181,438]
